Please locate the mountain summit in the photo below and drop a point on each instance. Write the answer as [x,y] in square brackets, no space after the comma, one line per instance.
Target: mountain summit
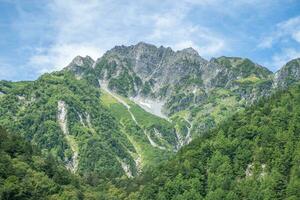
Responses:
[178,80]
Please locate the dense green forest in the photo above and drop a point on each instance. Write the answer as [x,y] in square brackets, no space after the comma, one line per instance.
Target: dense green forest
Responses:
[27,174]
[253,155]
[100,141]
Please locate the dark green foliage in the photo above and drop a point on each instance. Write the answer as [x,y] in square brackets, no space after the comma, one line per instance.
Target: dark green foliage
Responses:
[27,174]
[146,89]
[30,108]
[123,84]
[253,155]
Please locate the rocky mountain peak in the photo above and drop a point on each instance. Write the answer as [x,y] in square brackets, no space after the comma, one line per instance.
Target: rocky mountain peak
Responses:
[242,67]
[80,61]
[288,74]
[80,65]
[158,73]
[189,51]
[144,45]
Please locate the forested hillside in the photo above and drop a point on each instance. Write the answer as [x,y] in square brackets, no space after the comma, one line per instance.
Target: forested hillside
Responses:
[253,155]
[27,174]
[78,125]
[122,127]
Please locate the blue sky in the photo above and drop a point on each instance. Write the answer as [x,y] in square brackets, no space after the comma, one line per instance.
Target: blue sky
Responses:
[43,36]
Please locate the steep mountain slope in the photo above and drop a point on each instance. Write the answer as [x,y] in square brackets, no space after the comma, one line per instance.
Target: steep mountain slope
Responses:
[253,155]
[70,118]
[119,116]
[178,79]
[288,74]
[178,85]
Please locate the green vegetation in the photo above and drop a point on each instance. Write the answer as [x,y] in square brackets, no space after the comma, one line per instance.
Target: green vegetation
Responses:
[135,133]
[253,155]
[250,79]
[243,67]
[25,173]
[95,132]
[71,140]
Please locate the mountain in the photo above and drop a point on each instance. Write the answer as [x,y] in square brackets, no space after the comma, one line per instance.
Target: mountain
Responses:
[179,85]
[113,119]
[87,129]
[253,155]
[288,74]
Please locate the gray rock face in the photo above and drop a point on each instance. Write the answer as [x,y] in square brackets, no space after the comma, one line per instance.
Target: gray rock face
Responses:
[288,74]
[182,78]
[80,65]
[159,66]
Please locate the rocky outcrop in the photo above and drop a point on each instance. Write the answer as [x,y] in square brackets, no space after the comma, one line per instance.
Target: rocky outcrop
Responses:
[72,164]
[81,66]
[147,72]
[288,74]
[164,82]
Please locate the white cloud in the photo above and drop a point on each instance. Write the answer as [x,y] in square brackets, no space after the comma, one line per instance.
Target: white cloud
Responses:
[173,29]
[289,29]
[281,58]
[60,55]
[296,35]
[91,28]
[76,27]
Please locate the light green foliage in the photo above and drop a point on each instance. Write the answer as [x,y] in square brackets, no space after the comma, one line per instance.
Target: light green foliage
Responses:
[253,155]
[135,133]
[31,110]
[27,174]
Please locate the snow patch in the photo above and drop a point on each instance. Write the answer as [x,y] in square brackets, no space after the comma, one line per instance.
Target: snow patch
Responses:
[152,106]
[103,85]
[145,104]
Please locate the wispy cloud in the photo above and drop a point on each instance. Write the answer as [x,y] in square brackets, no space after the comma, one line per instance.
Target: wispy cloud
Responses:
[281,58]
[96,26]
[59,55]
[286,40]
[173,29]
[48,35]
[287,30]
